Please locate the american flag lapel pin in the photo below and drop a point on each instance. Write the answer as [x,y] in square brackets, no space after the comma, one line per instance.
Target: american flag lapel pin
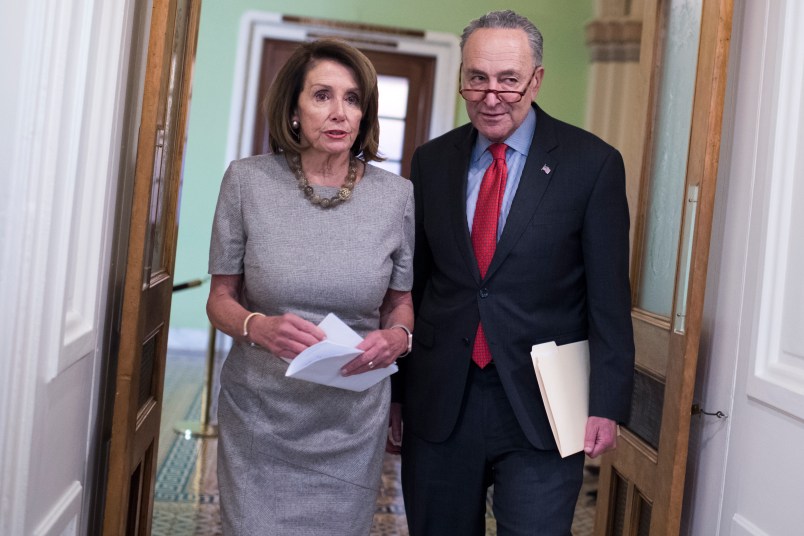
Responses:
[546,169]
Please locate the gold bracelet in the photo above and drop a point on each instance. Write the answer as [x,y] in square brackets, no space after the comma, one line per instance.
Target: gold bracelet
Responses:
[245,325]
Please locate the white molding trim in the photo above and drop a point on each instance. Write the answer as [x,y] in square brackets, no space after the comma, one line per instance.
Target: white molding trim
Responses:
[740,526]
[196,341]
[57,144]
[257,25]
[62,519]
[68,181]
[94,202]
[23,333]
[188,340]
[777,375]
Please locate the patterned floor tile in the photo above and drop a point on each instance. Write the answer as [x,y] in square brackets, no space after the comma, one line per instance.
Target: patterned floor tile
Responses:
[186,494]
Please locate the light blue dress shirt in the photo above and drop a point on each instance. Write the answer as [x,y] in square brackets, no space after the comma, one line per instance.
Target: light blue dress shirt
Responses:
[515,156]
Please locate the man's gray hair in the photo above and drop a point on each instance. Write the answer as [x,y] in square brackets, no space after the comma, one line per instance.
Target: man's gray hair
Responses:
[509,20]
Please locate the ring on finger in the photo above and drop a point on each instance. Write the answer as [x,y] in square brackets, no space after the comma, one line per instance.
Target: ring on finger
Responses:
[371,364]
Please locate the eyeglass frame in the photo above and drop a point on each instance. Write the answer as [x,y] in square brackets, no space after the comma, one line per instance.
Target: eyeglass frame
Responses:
[496,92]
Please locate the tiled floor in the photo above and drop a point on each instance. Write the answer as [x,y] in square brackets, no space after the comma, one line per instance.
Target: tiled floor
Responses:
[186,495]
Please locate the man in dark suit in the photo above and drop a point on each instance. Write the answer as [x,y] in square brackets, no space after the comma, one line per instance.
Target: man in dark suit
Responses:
[516,244]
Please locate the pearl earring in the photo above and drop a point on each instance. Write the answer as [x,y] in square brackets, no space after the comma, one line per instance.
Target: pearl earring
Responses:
[294,124]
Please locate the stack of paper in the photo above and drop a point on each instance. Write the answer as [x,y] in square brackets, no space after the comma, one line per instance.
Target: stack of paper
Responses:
[563,375]
[322,362]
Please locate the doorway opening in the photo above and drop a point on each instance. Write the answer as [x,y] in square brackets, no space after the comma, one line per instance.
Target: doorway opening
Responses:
[417,75]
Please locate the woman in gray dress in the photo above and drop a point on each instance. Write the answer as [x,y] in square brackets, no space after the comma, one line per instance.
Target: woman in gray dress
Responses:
[308,230]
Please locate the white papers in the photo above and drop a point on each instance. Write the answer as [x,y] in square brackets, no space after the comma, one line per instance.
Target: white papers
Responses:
[322,362]
[563,375]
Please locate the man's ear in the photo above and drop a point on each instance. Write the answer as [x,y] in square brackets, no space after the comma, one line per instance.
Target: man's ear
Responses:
[536,81]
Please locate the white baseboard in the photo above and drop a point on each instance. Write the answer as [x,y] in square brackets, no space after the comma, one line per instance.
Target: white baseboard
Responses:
[196,341]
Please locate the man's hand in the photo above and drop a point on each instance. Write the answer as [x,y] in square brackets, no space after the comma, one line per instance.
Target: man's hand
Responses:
[393,444]
[601,436]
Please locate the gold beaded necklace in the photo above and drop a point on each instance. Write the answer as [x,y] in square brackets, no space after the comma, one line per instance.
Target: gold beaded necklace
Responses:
[344,192]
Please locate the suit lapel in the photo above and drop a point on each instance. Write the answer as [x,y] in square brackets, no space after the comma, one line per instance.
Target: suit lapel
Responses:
[539,170]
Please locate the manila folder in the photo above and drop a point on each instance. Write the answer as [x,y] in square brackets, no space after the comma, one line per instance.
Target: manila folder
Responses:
[563,375]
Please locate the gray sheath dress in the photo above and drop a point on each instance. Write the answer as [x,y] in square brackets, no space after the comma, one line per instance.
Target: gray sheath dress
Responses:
[298,458]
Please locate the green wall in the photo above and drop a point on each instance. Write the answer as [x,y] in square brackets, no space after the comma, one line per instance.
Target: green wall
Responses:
[563,95]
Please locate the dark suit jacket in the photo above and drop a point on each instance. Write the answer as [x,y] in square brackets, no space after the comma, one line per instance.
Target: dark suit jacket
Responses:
[560,272]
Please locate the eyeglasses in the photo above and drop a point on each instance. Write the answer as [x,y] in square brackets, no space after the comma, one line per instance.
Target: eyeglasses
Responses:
[511,97]
[477,95]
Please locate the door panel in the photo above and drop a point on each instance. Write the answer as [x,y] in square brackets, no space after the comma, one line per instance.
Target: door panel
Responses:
[685,47]
[652,340]
[149,268]
[668,161]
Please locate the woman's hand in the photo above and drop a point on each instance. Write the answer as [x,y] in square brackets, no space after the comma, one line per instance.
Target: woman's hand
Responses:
[383,346]
[284,336]
[380,349]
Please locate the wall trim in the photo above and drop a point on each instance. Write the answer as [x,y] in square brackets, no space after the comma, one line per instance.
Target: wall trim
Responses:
[63,516]
[195,341]
[776,377]
[23,262]
[614,40]
[740,526]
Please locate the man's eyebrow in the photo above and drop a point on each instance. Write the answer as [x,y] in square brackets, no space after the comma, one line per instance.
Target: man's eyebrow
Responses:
[508,72]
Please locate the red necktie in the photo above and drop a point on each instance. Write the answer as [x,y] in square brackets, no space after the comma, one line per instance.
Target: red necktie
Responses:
[484,231]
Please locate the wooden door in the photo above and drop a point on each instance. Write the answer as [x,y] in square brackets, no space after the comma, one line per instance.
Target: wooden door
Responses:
[149,268]
[419,71]
[684,52]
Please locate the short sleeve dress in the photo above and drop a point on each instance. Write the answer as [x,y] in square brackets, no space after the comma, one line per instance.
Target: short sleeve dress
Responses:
[296,457]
